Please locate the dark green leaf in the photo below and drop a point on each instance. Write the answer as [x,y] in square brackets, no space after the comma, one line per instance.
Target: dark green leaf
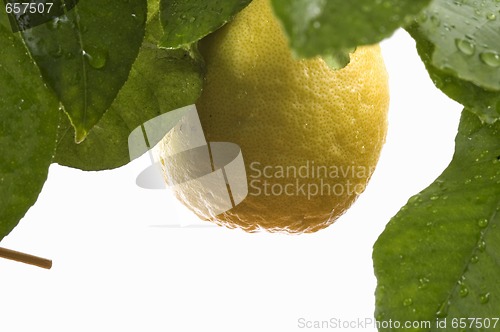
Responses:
[160,80]
[440,255]
[28,125]
[86,55]
[485,103]
[466,38]
[322,27]
[187,21]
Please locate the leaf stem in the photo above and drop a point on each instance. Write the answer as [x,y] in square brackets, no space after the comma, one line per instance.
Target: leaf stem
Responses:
[25,258]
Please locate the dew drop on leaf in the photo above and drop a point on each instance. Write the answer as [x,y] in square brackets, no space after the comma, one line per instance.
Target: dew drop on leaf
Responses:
[482,223]
[408,302]
[443,310]
[481,245]
[414,199]
[490,58]
[466,47]
[423,283]
[484,298]
[474,259]
[491,16]
[96,58]
[464,291]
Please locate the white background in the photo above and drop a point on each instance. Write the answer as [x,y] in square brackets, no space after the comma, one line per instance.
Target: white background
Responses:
[115,269]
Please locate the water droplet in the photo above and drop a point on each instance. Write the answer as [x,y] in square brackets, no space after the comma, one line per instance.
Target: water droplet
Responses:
[481,245]
[192,19]
[408,302]
[96,58]
[482,223]
[484,298]
[474,259]
[443,310]
[467,181]
[491,16]
[434,197]
[414,199]
[464,291]
[490,58]
[465,46]
[423,282]
[316,25]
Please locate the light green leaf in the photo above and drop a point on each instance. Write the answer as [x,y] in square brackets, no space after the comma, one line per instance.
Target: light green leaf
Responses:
[466,38]
[160,80]
[440,255]
[323,27]
[86,55]
[28,126]
[187,21]
[485,103]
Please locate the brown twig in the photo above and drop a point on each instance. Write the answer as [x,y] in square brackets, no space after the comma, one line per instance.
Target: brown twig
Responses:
[25,258]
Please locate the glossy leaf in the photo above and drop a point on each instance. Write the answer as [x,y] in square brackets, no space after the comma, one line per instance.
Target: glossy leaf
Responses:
[160,80]
[187,21]
[28,126]
[323,27]
[485,103]
[439,257]
[466,39]
[86,55]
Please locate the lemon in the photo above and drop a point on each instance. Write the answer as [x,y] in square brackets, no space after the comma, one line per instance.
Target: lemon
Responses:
[310,136]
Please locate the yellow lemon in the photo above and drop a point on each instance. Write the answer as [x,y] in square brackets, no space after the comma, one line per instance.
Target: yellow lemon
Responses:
[310,136]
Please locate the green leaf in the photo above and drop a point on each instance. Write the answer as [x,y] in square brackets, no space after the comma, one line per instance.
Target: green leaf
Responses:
[28,126]
[322,27]
[466,38]
[187,21]
[86,55]
[485,103]
[440,255]
[160,80]
[339,59]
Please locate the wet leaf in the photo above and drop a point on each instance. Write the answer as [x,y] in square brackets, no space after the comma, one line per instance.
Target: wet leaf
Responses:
[86,55]
[28,126]
[323,27]
[160,80]
[485,103]
[187,21]
[439,257]
[465,35]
